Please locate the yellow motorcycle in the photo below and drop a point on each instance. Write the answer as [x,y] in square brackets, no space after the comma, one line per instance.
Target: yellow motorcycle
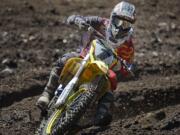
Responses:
[83,81]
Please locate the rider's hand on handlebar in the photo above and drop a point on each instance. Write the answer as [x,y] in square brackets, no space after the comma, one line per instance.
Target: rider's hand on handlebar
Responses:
[77,20]
[81,23]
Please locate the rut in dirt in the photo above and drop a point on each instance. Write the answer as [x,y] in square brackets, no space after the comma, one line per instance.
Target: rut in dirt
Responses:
[8,99]
[129,104]
[126,104]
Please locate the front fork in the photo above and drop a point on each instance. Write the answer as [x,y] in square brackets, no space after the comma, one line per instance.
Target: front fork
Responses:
[69,87]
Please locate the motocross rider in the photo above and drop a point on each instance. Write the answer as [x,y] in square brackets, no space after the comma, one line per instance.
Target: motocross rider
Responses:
[118,32]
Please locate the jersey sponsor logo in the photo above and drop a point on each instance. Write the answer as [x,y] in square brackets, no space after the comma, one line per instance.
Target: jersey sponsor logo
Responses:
[125,52]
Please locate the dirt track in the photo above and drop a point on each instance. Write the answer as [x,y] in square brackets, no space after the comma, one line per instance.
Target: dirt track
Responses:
[33,35]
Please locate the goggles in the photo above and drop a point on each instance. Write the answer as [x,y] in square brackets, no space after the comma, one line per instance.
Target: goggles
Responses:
[119,23]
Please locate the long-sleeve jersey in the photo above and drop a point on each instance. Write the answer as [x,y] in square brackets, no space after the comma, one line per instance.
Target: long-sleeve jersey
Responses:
[125,50]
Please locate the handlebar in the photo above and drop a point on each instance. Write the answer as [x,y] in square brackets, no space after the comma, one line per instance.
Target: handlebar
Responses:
[92,29]
[126,66]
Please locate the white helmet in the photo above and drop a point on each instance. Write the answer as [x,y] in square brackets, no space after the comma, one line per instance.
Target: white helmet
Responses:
[120,26]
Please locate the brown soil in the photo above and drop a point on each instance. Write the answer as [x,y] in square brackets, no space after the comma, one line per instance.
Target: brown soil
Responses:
[33,35]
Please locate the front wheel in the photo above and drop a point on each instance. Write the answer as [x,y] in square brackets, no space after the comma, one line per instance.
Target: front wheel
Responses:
[62,120]
[73,114]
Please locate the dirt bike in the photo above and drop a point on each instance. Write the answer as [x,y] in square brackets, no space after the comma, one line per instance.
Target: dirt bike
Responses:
[83,81]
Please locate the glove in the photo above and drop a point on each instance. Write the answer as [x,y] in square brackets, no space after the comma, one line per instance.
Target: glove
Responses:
[78,20]
[130,66]
[126,68]
[70,19]
[81,23]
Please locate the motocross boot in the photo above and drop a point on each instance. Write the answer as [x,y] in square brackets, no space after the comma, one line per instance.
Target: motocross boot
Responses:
[48,92]
[52,84]
[103,116]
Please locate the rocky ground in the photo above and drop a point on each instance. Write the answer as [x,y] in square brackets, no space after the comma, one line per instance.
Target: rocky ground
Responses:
[33,35]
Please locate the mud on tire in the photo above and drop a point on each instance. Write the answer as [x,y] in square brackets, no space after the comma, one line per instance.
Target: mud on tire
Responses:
[68,118]
[72,115]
